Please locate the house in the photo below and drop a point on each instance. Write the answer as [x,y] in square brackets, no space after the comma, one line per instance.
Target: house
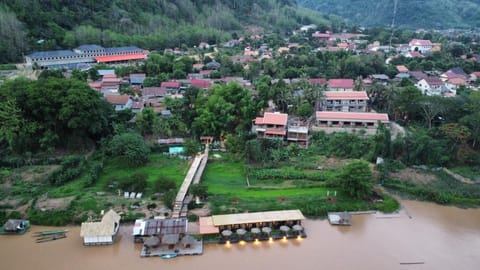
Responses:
[103,72]
[402,69]
[340,85]
[380,78]
[204,45]
[154,92]
[121,102]
[420,45]
[137,78]
[453,73]
[431,86]
[171,86]
[145,228]
[138,106]
[352,101]
[474,76]
[213,65]
[298,133]
[103,232]
[418,75]
[270,126]
[202,84]
[321,36]
[330,122]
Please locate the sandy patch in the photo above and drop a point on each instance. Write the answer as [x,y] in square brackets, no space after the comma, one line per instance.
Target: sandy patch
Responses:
[412,175]
[54,204]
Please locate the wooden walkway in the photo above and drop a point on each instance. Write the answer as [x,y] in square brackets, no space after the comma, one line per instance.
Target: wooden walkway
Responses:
[194,175]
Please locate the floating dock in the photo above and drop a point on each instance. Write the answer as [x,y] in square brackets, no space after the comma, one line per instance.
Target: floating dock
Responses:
[340,218]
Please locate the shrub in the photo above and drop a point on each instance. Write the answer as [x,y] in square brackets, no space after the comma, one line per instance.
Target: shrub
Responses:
[164,184]
[136,182]
[71,168]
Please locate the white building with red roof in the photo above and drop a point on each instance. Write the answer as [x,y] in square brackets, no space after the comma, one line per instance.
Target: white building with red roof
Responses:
[420,45]
[341,85]
[271,126]
[351,101]
[431,86]
[121,102]
[330,122]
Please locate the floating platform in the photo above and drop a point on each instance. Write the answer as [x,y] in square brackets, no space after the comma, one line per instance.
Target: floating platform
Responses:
[340,218]
[195,248]
[51,237]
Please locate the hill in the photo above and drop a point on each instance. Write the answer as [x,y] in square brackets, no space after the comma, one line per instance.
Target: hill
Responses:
[430,14]
[28,25]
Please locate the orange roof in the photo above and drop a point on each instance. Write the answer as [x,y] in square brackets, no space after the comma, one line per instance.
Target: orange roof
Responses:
[346,95]
[117,99]
[279,119]
[402,69]
[457,81]
[352,116]
[114,58]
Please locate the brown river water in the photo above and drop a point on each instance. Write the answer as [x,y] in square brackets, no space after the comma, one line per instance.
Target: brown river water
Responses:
[421,236]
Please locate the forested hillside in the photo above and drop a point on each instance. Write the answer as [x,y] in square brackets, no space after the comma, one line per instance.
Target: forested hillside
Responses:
[28,25]
[437,14]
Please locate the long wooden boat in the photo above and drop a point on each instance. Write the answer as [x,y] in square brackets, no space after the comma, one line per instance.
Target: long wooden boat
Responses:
[169,256]
[50,238]
[49,232]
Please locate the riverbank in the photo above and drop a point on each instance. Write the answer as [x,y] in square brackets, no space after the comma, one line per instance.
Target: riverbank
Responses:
[420,232]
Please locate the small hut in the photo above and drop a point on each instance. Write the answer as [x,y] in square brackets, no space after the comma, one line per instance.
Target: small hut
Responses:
[170,240]
[188,241]
[103,232]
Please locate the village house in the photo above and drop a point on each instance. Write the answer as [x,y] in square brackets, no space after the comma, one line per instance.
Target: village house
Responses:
[379,78]
[330,122]
[352,101]
[420,45]
[201,84]
[318,81]
[120,102]
[145,228]
[136,78]
[271,126]
[171,86]
[431,86]
[298,133]
[103,232]
[341,85]
[453,73]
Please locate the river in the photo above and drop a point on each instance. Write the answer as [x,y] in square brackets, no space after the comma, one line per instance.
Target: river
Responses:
[421,236]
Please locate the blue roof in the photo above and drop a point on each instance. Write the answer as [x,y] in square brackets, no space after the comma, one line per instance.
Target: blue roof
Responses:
[58,53]
[137,80]
[122,49]
[89,47]
[102,72]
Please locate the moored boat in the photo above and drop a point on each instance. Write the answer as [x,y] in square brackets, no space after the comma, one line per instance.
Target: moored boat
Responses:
[15,226]
[169,256]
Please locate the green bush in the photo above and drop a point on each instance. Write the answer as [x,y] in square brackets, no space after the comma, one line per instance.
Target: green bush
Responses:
[50,218]
[136,182]
[71,168]
[164,184]
[93,173]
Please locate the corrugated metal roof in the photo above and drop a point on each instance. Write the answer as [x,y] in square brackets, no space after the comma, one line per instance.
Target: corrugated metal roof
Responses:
[270,216]
[114,58]
[122,49]
[89,47]
[57,53]
[160,226]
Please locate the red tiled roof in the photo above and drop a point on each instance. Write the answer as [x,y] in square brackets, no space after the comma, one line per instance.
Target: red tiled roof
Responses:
[434,81]
[415,54]
[420,42]
[275,132]
[346,95]
[341,83]
[114,58]
[352,116]
[320,81]
[170,84]
[457,81]
[476,73]
[279,119]
[138,105]
[117,99]
[200,83]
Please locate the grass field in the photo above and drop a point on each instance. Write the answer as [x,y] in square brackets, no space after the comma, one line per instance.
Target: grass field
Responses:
[230,193]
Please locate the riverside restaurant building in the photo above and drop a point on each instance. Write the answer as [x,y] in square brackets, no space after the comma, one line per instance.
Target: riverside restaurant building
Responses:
[254,226]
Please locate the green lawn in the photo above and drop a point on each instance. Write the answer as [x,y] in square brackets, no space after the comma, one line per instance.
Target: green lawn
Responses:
[227,184]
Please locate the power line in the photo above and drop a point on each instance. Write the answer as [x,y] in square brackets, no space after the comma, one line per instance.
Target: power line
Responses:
[395,2]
